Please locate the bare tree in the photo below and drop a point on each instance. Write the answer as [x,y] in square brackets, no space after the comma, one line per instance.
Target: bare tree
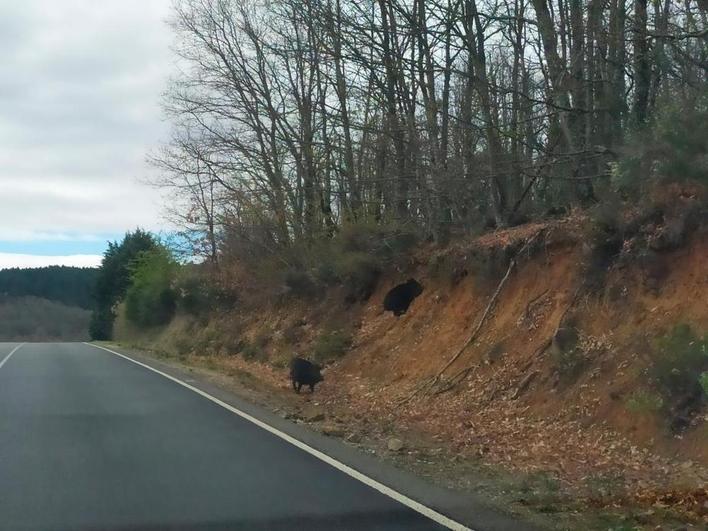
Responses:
[302,115]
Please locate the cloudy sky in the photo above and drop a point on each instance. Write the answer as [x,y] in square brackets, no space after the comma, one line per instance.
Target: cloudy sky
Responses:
[80,86]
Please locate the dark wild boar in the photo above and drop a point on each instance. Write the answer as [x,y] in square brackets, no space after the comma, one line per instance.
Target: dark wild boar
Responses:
[304,372]
[399,298]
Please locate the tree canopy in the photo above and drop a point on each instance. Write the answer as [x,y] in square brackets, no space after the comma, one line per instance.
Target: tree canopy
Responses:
[114,277]
[72,286]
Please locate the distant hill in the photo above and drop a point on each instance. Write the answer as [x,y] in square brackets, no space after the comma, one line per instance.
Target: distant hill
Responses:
[35,319]
[71,286]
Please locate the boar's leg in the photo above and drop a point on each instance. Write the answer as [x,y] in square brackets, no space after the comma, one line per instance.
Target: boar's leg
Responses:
[312,388]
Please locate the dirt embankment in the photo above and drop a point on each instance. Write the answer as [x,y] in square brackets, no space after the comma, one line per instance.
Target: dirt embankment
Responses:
[545,386]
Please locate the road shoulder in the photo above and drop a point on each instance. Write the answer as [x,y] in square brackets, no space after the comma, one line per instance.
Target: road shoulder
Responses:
[464,507]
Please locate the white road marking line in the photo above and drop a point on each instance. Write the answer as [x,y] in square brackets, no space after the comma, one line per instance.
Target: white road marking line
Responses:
[4,361]
[383,489]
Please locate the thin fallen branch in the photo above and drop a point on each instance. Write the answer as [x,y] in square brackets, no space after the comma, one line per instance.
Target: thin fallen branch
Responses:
[530,377]
[532,302]
[475,333]
[460,375]
[454,380]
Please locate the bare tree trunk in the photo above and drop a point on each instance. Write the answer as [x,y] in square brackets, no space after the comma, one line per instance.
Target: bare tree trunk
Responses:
[559,75]
[640,62]
[393,125]
[516,182]
[341,90]
[577,72]
[475,47]
[617,54]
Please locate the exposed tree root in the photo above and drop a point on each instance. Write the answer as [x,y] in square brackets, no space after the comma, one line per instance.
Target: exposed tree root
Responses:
[429,384]
[532,302]
[525,384]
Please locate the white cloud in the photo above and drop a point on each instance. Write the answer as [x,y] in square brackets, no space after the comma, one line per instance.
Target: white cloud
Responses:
[80,92]
[32,236]
[8,260]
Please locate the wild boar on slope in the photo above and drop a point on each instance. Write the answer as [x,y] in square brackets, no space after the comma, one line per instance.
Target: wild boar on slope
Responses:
[399,298]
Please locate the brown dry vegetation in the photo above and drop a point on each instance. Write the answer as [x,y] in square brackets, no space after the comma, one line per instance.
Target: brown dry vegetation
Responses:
[507,400]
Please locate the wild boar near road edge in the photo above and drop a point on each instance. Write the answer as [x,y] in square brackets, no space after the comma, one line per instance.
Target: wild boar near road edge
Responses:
[304,372]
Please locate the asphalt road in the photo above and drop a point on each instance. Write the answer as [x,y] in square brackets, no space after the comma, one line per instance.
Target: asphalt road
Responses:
[89,440]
